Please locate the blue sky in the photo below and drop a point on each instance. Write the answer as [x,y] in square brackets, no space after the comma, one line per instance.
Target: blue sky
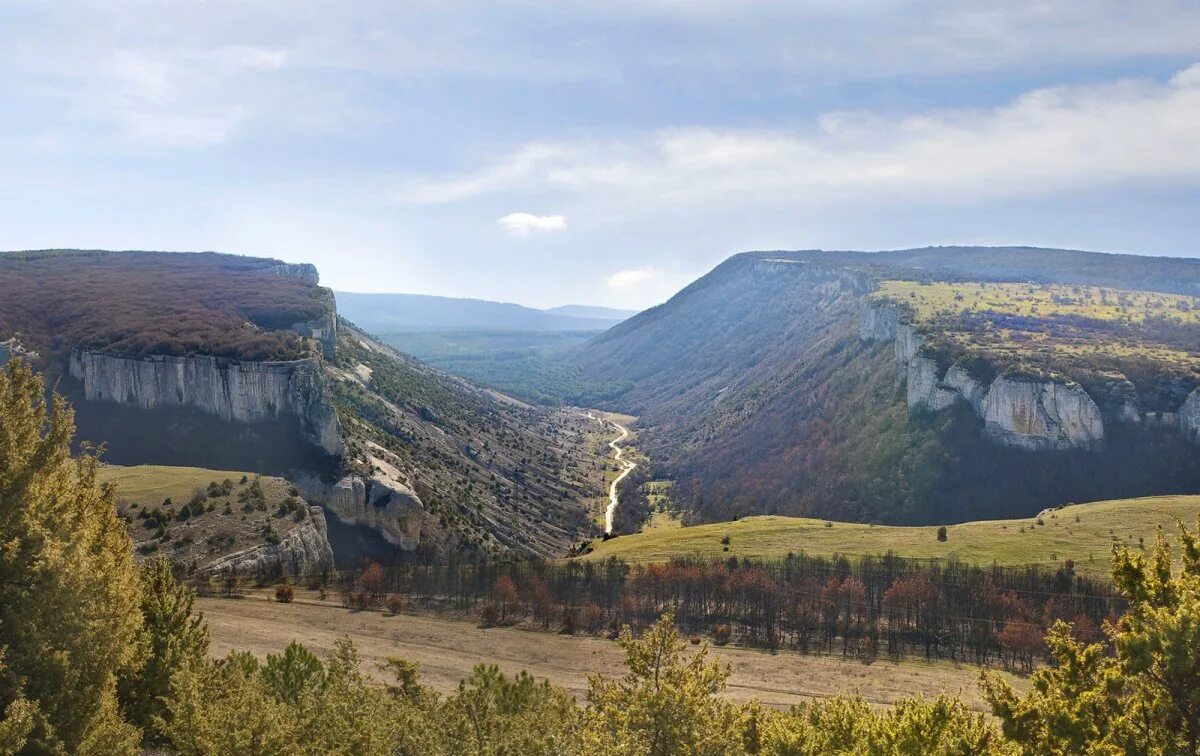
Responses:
[594,152]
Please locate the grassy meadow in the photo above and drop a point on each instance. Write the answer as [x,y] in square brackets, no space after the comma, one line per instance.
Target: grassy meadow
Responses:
[1033,300]
[1084,533]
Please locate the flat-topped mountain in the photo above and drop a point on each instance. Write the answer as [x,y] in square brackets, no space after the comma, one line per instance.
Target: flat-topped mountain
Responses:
[234,363]
[914,386]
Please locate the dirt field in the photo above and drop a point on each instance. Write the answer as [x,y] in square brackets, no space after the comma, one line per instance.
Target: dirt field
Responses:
[448,649]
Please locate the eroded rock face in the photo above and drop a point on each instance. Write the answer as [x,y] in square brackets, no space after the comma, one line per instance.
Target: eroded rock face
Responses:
[877,322]
[305,271]
[958,380]
[229,389]
[1046,413]
[925,390]
[1189,417]
[908,343]
[303,552]
[387,506]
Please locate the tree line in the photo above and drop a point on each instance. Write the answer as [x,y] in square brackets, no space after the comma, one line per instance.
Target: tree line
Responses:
[868,607]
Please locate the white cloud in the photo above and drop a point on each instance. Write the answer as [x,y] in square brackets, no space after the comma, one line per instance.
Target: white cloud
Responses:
[631,277]
[526,224]
[1046,141]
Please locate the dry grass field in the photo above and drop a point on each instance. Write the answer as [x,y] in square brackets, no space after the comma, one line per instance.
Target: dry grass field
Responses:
[447,649]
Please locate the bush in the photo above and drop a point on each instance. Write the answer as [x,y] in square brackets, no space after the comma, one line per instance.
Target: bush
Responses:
[394,604]
[489,615]
[591,618]
[721,634]
[284,593]
[941,533]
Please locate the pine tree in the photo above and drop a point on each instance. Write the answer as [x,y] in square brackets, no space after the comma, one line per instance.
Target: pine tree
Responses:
[1145,698]
[69,591]
[667,703]
[175,637]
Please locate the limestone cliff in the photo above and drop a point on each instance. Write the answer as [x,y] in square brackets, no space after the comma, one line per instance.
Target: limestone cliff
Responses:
[877,322]
[305,271]
[925,389]
[229,389]
[1019,410]
[1189,417]
[303,552]
[1041,412]
[381,503]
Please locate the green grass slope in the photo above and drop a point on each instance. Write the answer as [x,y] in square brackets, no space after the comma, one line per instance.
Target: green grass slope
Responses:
[1084,533]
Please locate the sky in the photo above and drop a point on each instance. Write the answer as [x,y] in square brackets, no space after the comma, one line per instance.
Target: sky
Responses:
[594,151]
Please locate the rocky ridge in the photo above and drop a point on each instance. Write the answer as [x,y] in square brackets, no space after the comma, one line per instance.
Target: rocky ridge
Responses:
[304,552]
[1033,410]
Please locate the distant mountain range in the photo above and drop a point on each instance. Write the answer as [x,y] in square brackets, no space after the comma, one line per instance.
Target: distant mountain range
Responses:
[383,313]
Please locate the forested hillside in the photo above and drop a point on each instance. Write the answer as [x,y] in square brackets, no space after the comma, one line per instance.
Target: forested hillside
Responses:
[760,393]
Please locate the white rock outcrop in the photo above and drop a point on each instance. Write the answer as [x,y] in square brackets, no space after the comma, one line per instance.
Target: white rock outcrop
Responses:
[303,552]
[387,506]
[1041,413]
[925,389]
[1021,411]
[1188,417]
[967,388]
[877,321]
[908,343]
[232,390]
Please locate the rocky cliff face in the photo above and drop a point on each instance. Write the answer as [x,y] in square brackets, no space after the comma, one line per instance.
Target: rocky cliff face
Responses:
[229,389]
[925,388]
[305,271]
[1041,413]
[1022,411]
[1189,417]
[303,552]
[877,322]
[380,503]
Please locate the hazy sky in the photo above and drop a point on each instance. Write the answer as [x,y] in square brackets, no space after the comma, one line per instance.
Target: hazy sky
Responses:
[601,152]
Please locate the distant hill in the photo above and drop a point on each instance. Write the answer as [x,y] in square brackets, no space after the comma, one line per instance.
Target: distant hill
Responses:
[1083,533]
[916,386]
[595,313]
[390,313]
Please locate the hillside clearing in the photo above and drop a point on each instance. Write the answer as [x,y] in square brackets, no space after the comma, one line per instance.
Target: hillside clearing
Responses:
[448,649]
[1084,533]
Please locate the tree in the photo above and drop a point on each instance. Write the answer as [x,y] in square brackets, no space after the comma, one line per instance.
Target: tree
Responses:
[668,702]
[504,593]
[492,714]
[69,592]
[175,637]
[1143,699]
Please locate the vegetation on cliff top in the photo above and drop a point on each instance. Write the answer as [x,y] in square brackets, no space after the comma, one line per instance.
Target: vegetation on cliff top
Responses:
[140,303]
[1089,333]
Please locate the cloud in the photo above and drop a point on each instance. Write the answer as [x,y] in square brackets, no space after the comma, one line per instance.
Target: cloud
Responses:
[526,224]
[1046,141]
[631,277]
